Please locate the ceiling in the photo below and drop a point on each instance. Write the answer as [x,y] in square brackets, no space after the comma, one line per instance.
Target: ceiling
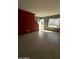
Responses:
[40,7]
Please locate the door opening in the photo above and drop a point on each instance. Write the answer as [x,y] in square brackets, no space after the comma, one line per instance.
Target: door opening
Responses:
[41,24]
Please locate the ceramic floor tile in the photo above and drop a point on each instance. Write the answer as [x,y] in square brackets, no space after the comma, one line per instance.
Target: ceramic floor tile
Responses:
[19,57]
[24,54]
[39,45]
[36,56]
[47,56]
[26,58]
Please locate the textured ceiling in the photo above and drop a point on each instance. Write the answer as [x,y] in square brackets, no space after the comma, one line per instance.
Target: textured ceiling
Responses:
[40,7]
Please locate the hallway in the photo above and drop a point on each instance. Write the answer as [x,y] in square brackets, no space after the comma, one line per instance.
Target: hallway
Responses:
[39,45]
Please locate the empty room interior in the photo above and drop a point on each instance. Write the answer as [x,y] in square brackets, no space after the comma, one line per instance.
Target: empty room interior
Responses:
[38,29]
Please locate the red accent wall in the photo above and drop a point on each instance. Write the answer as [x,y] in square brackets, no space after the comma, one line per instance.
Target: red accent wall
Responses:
[26,22]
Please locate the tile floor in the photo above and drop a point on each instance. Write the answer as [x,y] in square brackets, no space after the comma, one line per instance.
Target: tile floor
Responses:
[24,58]
[39,45]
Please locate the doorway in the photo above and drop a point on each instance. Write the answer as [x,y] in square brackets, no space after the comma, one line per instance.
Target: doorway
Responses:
[41,24]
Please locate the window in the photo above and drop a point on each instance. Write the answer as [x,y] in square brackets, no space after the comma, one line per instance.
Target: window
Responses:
[51,22]
[54,22]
